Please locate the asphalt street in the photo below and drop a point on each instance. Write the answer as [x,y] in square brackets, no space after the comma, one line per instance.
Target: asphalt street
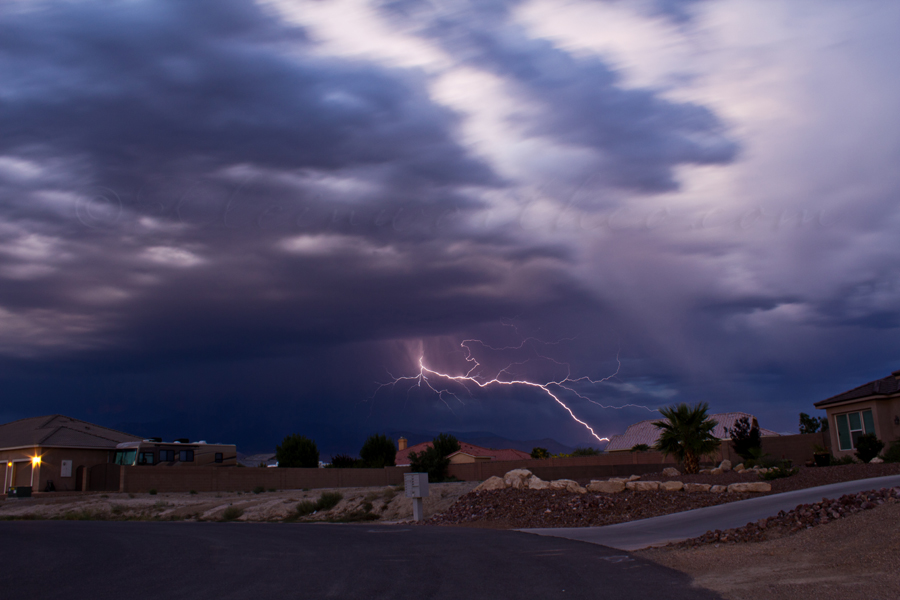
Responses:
[116,560]
[693,523]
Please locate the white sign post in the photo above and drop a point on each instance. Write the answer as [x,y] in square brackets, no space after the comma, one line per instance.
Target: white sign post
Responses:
[416,485]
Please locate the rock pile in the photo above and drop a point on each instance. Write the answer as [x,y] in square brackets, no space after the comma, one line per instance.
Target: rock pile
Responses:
[523,479]
[805,516]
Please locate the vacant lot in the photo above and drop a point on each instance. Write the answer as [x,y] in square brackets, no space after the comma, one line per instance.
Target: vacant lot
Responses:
[385,504]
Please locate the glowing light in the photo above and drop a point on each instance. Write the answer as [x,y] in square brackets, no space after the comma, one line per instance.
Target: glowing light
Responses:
[565,384]
[36,461]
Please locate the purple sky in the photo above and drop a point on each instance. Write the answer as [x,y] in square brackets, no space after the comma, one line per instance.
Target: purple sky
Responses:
[233,221]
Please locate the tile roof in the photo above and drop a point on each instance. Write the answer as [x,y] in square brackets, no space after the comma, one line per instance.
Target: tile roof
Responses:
[646,432]
[59,430]
[885,386]
[402,458]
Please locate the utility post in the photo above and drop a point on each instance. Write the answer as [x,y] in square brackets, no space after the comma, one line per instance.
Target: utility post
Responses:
[416,485]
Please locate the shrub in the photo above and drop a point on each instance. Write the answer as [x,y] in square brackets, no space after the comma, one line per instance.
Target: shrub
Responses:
[893,453]
[306,507]
[867,447]
[745,437]
[342,461]
[640,448]
[231,513]
[193,492]
[329,500]
[586,452]
[844,460]
[538,453]
[259,489]
[152,491]
[378,451]
[297,451]
[433,460]
[781,469]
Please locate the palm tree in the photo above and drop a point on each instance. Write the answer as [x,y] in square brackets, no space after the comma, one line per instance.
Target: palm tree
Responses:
[687,433]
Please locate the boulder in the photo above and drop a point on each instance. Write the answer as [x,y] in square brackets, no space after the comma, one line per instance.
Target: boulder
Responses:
[696,487]
[671,472]
[606,487]
[750,486]
[567,485]
[633,477]
[619,479]
[492,483]
[725,465]
[671,486]
[536,483]
[718,489]
[705,471]
[739,467]
[642,486]
[516,478]
[876,460]
[716,471]
[762,471]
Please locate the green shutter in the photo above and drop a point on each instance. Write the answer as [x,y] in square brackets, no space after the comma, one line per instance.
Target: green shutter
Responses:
[843,432]
[868,422]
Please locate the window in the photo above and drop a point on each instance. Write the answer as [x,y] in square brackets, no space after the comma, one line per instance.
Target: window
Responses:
[146,458]
[166,455]
[219,457]
[852,425]
[125,457]
[186,455]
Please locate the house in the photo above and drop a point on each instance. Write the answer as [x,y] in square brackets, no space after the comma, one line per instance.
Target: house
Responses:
[55,448]
[647,433]
[65,454]
[467,453]
[873,407]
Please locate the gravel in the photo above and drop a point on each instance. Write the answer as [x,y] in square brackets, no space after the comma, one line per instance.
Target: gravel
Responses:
[518,509]
[805,516]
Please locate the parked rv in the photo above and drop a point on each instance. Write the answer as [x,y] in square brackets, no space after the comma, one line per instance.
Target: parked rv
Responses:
[183,454]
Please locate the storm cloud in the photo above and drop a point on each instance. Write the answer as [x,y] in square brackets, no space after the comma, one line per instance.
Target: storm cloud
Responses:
[217,209]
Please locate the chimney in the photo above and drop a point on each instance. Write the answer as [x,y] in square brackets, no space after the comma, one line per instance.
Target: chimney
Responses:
[401,444]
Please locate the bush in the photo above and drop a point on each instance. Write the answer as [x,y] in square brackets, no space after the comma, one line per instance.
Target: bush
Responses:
[433,460]
[326,501]
[868,446]
[297,451]
[538,453]
[329,500]
[231,513]
[342,461]
[844,460]
[259,489]
[745,437]
[306,507]
[152,491]
[778,473]
[586,452]
[893,453]
[378,451]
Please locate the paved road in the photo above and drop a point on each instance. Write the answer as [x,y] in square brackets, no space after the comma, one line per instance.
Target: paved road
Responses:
[659,531]
[74,560]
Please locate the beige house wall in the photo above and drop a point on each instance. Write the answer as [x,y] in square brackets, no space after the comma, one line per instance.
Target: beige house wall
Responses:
[884,411]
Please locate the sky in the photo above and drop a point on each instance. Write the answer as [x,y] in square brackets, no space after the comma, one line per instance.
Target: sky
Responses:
[234,220]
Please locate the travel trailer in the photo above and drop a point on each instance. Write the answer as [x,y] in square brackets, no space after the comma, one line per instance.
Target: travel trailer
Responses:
[155,452]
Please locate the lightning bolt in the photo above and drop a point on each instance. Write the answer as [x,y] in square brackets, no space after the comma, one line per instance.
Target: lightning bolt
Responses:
[428,377]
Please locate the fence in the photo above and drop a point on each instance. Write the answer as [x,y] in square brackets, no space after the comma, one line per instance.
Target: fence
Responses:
[797,448]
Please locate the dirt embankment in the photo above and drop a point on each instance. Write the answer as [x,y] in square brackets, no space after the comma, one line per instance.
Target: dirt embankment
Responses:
[385,504]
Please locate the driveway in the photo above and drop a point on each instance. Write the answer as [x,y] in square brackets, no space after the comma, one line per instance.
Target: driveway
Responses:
[100,560]
[659,531]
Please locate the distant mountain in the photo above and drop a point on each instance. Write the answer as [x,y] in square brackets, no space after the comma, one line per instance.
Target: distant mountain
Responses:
[487,439]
